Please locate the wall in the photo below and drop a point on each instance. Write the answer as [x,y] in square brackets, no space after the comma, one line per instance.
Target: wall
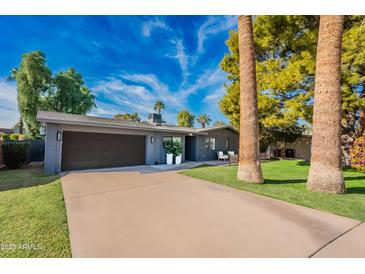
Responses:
[302,147]
[203,154]
[1,154]
[155,153]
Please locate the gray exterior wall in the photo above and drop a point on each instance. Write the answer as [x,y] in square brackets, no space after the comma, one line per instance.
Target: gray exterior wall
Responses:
[155,153]
[302,147]
[220,135]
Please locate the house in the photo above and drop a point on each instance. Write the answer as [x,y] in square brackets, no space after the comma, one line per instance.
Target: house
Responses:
[299,149]
[82,142]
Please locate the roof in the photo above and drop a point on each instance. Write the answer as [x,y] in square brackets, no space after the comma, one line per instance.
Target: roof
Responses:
[84,120]
[7,130]
[217,128]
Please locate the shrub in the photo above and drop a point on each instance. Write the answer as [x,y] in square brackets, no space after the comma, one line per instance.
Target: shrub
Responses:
[15,154]
[5,136]
[357,154]
[14,137]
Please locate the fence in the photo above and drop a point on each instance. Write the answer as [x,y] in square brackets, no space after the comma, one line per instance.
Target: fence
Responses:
[36,153]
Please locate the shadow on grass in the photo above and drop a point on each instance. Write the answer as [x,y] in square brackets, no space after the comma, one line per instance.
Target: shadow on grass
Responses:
[203,165]
[25,177]
[281,182]
[356,190]
[303,163]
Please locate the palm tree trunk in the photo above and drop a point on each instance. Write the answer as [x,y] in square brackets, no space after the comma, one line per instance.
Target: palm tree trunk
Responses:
[325,173]
[249,168]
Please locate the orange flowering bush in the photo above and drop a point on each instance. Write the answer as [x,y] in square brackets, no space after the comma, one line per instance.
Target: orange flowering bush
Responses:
[357,154]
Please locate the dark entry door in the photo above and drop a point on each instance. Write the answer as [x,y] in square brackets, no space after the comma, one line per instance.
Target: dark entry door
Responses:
[190,148]
[83,150]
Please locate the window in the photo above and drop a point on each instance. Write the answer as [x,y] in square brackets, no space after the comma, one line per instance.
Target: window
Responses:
[210,143]
[167,139]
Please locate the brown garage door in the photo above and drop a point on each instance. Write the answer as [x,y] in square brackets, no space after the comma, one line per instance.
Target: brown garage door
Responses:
[81,150]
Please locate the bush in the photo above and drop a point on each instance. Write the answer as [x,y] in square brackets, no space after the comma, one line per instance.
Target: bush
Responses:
[14,137]
[357,154]
[15,154]
[5,136]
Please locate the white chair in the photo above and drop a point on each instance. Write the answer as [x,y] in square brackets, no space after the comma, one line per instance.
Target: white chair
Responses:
[222,156]
[230,153]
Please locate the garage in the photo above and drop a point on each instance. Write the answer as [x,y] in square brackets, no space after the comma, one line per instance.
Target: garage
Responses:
[85,150]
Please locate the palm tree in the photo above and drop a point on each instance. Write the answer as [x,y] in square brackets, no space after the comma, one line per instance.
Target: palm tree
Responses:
[325,173]
[249,168]
[203,119]
[158,106]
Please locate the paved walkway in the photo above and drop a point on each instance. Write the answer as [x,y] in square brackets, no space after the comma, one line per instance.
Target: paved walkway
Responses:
[135,212]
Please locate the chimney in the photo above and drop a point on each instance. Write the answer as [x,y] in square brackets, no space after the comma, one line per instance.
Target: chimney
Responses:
[155,118]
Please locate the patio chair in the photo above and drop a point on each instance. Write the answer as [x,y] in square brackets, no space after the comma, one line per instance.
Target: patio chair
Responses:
[222,156]
[230,153]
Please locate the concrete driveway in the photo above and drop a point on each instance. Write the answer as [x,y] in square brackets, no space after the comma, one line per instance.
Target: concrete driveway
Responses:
[138,212]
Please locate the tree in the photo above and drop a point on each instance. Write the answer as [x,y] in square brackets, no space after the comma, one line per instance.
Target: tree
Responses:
[33,79]
[159,105]
[185,119]
[39,90]
[128,116]
[69,94]
[325,173]
[285,60]
[203,120]
[249,168]
[219,124]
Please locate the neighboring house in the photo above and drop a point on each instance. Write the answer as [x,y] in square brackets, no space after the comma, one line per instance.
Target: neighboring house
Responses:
[7,130]
[82,142]
[299,149]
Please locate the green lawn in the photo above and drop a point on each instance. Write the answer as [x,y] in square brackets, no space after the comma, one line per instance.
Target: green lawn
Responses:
[33,219]
[286,180]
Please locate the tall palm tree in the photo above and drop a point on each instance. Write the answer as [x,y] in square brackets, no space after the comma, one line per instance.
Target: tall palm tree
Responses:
[158,106]
[203,119]
[325,173]
[249,168]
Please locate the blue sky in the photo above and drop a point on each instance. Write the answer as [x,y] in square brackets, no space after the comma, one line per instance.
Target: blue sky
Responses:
[127,61]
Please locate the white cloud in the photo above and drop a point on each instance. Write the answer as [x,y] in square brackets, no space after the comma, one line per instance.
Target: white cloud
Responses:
[181,56]
[9,114]
[214,25]
[151,25]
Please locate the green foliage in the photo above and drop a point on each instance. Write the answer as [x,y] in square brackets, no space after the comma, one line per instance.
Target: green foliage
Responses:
[185,119]
[15,154]
[5,136]
[285,53]
[159,105]
[39,90]
[33,78]
[14,137]
[358,154]
[219,124]
[174,148]
[69,94]
[203,120]
[177,148]
[128,116]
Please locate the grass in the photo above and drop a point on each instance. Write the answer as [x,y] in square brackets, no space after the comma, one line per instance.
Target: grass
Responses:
[33,219]
[286,180]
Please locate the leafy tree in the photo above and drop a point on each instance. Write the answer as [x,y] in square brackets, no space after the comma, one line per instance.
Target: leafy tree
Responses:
[69,94]
[185,119]
[285,62]
[159,105]
[33,79]
[203,120]
[39,90]
[219,124]
[128,116]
